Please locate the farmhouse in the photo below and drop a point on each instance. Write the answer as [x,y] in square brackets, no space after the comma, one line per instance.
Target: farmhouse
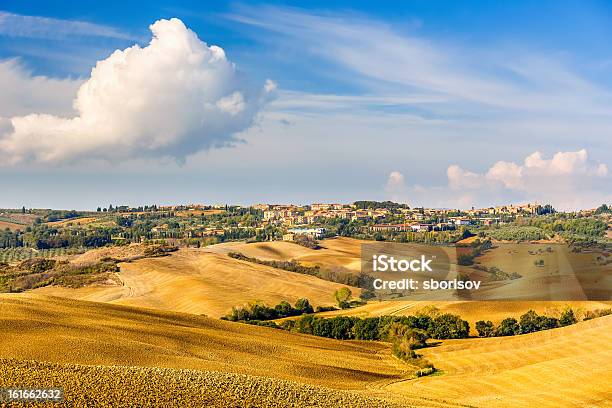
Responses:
[316,233]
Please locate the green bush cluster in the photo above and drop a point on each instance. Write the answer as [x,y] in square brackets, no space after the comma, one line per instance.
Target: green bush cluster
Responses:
[361,280]
[528,323]
[257,311]
[39,272]
[444,326]
[592,314]
[517,233]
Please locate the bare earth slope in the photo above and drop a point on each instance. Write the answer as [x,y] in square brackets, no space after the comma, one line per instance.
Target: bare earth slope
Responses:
[200,282]
[570,366]
[100,350]
[68,331]
[89,346]
[337,252]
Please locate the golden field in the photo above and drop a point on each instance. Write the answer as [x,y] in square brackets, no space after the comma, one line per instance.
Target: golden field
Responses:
[210,282]
[126,354]
[13,226]
[200,282]
[345,253]
[145,341]
[165,344]
[143,386]
[569,366]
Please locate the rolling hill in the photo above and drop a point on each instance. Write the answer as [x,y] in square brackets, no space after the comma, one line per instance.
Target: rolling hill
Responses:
[570,366]
[90,345]
[97,351]
[202,282]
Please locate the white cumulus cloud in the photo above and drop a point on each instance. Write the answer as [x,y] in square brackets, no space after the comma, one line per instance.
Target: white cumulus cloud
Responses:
[171,98]
[569,180]
[23,93]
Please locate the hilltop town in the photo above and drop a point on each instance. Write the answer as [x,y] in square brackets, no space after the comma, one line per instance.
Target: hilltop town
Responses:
[25,231]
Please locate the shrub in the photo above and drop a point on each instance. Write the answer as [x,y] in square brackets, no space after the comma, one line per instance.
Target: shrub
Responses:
[449,326]
[425,371]
[508,327]
[531,322]
[320,309]
[485,329]
[306,241]
[305,324]
[567,317]
[591,314]
[343,295]
[303,305]
[465,259]
[367,294]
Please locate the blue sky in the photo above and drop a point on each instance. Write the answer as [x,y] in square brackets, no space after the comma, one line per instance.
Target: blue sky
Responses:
[440,103]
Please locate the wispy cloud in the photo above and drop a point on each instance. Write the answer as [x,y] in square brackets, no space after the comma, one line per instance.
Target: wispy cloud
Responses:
[17,25]
[409,62]
[430,103]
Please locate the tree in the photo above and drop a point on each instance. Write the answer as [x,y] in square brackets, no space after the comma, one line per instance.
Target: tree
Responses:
[604,208]
[449,326]
[367,294]
[529,322]
[485,329]
[284,309]
[508,327]
[343,295]
[304,306]
[367,329]
[567,317]
[305,324]
[342,327]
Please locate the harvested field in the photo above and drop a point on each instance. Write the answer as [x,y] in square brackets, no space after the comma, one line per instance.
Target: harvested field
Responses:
[570,366]
[133,356]
[66,331]
[200,282]
[335,253]
[73,221]
[13,226]
[132,386]
[472,311]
